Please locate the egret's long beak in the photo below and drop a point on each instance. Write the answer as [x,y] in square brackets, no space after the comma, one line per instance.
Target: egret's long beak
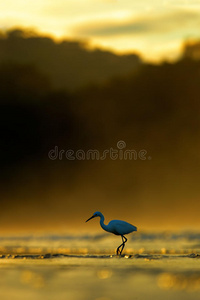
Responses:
[89,219]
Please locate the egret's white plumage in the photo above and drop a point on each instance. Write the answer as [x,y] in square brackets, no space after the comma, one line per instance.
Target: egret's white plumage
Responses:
[117,227]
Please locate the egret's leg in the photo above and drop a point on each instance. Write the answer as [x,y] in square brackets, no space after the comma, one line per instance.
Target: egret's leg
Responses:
[118,249]
[124,239]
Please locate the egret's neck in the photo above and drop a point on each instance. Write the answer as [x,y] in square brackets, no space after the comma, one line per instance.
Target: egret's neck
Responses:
[105,227]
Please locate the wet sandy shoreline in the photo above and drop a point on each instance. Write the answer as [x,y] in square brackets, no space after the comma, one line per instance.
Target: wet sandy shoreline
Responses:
[74,268]
[99,277]
[104,256]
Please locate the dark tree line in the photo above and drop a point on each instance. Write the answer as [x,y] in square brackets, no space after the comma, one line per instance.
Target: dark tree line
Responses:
[67,63]
[156,107]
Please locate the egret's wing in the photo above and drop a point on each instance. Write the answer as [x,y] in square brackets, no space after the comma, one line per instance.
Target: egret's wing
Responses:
[121,227]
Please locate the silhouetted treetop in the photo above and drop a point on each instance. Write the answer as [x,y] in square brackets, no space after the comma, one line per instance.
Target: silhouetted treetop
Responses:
[69,64]
[192,50]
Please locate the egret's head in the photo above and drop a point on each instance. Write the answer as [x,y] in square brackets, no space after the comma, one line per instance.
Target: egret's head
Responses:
[96,214]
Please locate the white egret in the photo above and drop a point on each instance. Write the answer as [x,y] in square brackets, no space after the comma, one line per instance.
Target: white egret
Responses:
[117,227]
